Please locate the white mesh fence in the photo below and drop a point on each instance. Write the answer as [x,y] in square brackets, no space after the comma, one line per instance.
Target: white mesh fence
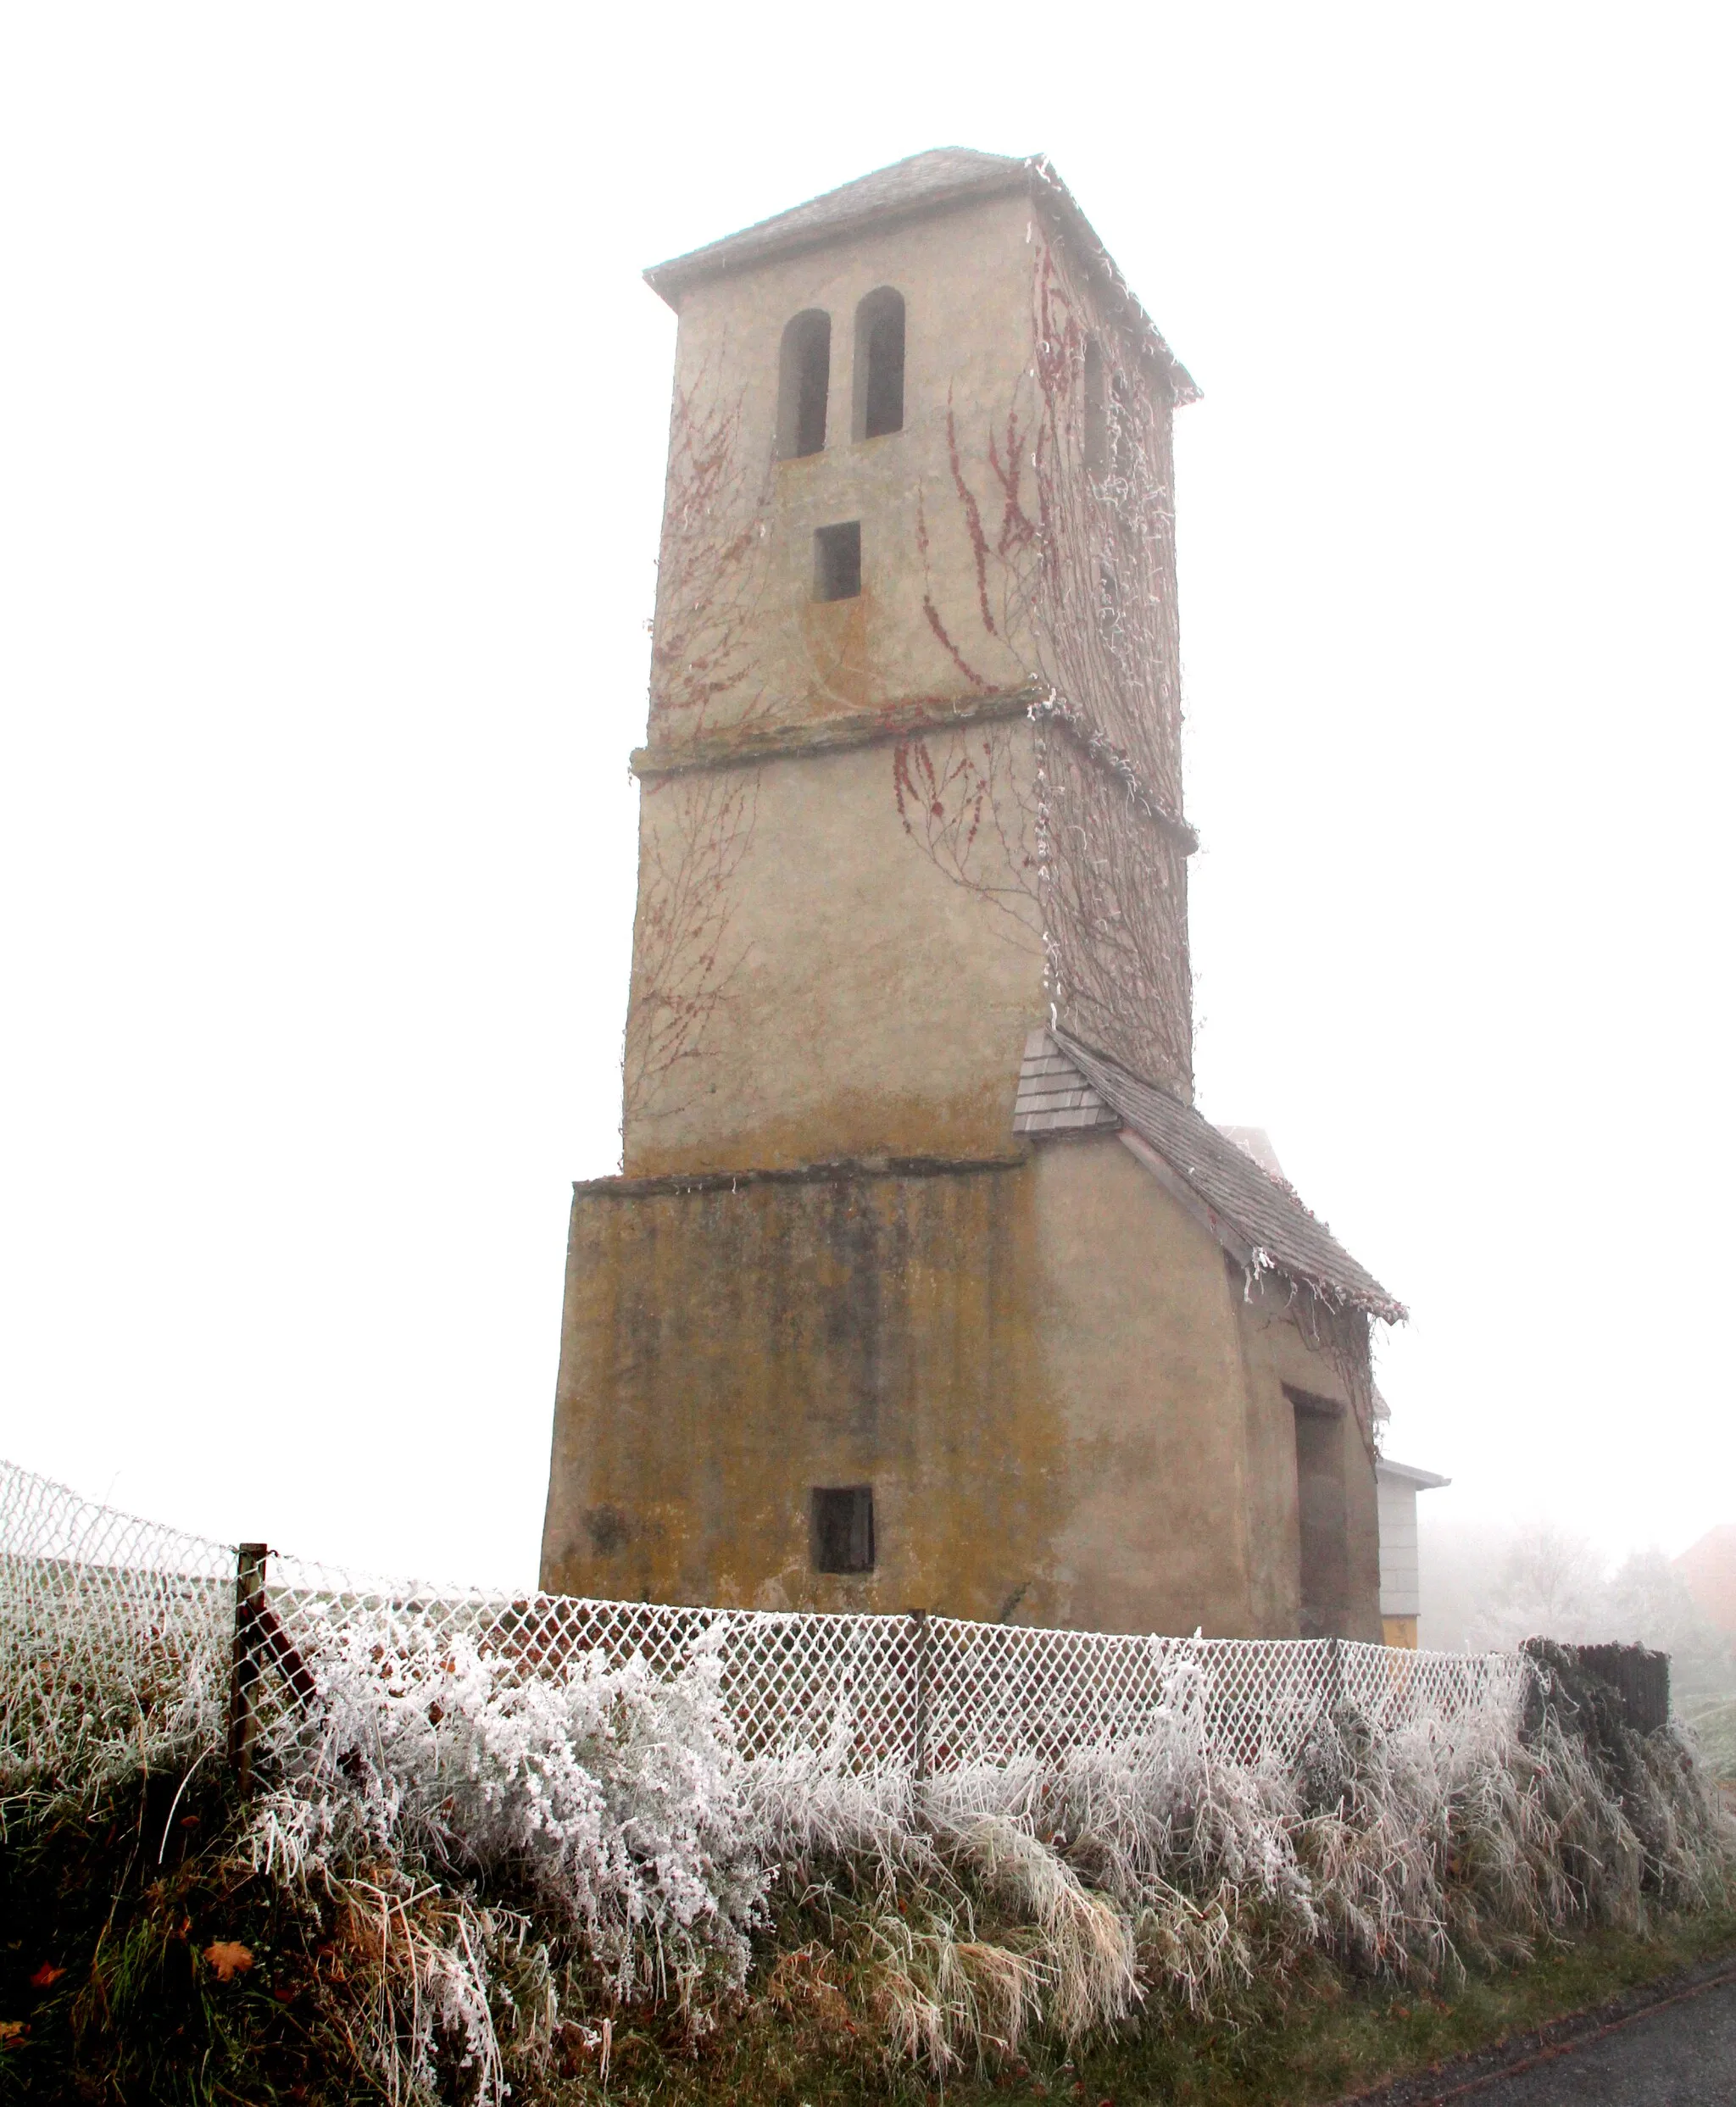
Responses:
[112,1629]
[111,1626]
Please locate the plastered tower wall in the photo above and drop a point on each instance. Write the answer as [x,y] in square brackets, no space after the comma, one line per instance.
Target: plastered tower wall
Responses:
[842,955]
[888,1019]
[738,641]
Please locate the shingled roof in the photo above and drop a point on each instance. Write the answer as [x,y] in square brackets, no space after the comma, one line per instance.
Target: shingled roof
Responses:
[1068,1086]
[925,182]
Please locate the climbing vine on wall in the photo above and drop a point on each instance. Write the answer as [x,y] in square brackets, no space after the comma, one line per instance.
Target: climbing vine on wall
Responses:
[958,798]
[709,583]
[695,827]
[1346,1335]
[1069,829]
[1069,523]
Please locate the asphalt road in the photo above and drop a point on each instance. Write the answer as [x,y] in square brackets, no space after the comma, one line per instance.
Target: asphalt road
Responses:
[1682,2053]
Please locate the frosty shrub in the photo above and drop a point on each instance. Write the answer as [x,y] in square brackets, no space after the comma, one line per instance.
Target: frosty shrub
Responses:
[607,1800]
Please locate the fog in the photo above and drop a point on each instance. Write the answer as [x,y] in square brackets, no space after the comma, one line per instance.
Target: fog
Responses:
[332,412]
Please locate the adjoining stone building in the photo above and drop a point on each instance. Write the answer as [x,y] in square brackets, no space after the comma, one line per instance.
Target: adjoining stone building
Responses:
[924,1284]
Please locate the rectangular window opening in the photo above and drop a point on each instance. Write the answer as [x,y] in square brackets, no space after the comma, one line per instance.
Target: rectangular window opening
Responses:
[837,561]
[841,1521]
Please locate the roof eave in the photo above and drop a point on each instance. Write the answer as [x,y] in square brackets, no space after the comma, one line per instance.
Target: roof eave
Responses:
[1047,188]
[1253,1258]
[745,252]
[1248,1249]
[1409,1474]
[763,243]
[1381,1307]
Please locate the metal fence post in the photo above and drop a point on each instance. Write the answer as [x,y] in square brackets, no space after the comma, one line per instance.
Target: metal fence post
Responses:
[918,1671]
[249,1602]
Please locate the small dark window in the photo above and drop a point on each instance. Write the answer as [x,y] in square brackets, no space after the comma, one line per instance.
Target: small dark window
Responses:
[837,561]
[879,375]
[804,375]
[841,1526]
[1096,411]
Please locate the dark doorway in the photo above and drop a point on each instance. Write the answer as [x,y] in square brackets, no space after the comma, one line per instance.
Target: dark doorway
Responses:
[1319,1513]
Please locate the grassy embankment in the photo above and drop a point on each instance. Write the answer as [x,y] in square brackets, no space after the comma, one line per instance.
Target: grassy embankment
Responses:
[119,1924]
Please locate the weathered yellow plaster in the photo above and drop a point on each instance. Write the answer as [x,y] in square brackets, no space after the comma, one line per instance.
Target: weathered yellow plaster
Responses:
[1039,1368]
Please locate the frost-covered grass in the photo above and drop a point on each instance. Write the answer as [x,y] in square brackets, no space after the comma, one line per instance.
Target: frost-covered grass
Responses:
[463,1880]
[1713,1721]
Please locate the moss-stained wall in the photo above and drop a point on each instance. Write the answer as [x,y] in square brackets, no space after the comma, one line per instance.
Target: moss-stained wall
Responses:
[1041,1365]
[725,1348]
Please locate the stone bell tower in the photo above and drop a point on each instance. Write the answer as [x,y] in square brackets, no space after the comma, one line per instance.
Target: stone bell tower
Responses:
[913,772]
[901,1298]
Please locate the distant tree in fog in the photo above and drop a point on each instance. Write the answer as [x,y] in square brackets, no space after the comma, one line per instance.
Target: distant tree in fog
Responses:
[1549,1585]
[1649,1601]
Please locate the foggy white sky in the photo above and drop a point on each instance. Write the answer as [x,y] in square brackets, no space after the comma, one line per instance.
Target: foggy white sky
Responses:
[331,423]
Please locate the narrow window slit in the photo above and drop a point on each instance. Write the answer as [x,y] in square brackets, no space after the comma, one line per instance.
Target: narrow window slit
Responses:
[1096,411]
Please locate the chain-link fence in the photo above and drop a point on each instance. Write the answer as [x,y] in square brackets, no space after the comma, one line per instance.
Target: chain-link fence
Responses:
[111,1628]
[106,1619]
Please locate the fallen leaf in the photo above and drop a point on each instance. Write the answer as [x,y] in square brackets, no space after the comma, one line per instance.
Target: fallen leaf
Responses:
[12,2031]
[227,1958]
[46,1976]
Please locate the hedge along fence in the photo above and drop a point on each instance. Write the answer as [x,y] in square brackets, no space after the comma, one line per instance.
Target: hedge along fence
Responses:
[106,1616]
[515,1815]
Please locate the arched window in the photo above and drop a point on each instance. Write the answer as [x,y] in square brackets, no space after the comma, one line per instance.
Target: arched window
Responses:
[1096,411]
[804,375]
[879,381]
